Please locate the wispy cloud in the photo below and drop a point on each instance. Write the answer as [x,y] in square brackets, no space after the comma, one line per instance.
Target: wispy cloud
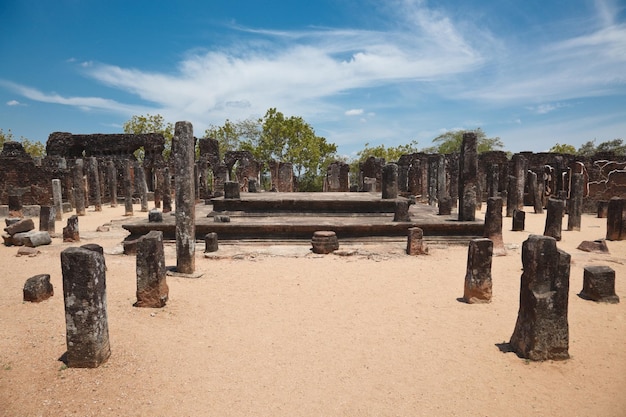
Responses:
[354,112]
[14,103]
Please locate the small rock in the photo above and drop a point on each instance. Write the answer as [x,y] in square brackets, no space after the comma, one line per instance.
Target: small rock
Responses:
[38,288]
[103,228]
[23,225]
[26,251]
[596,246]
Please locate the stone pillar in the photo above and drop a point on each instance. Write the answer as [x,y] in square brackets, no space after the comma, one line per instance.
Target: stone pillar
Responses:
[415,244]
[183,147]
[432,179]
[575,204]
[554,218]
[442,191]
[616,219]
[112,174]
[542,331]
[390,181]
[478,283]
[158,188]
[493,179]
[142,186]
[70,232]
[519,172]
[46,219]
[603,209]
[493,225]
[15,206]
[203,169]
[84,292]
[445,206]
[468,177]
[79,191]
[167,190]
[535,195]
[519,220]
[57,198]
[210,242]
[401,213]
[599,284]
[94,183]
[231,190]
[128,188]
[155,216]
[152,290]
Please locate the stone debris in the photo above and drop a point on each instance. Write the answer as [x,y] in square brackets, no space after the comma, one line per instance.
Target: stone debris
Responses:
[38,288]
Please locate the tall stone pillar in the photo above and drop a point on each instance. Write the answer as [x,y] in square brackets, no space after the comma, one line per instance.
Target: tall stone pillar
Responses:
[112,174]
[167,190]
[493,225]
[57,198]
[84,292]
[478,283]
[390,181]
[152,290]
[94,183]
[184,154]
[79,190]
[519,171]
[575,204]
[128,188]
[554,218]
[468,177]
[442,191]
[158,188]
[542,330]
[142,186]
[493,179]
[535,193]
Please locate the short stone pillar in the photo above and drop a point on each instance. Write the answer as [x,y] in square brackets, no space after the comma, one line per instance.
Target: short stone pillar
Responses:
[210,242]
[415,244]
[616,219]
[599,284]
[603,209]
[493,225]
[389,180]
[47,219]
[445,206]
[57,198]
[468,177]
[112,180]
[554,218]
[152,289]
[71,232]
[401,213]
[155,216]
[542,330]
[252,185]
[231,190]
[324,242]
[79,187]
[478,284]
[128,188]
[183,152]
[575,203]
[519,220]
[38,288]
[141,186]
[15,206]
[84,292]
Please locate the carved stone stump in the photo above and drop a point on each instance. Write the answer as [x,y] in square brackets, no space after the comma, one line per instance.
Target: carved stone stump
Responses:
[15,206]
[599,284]
[210,242]
[616,219]
[38,288]
[183,152]
[493,225]
[84,292]
[112,177]
[575,204]
[231,190]
[324,242]
[390,181]
[603,209]
[128,188]
[554,218]
[415,244]
[445,206]
[57,198]
[519,220]
[155,216]
[79,187]
[47,218]
[478,284]
[152,290]
[542,331]
[142,186]
[71,232]
[401,213]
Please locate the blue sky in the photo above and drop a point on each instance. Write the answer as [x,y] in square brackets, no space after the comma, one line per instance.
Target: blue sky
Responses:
[388,72]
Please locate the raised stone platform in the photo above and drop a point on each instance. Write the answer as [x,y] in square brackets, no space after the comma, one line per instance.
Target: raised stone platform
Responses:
[298,215]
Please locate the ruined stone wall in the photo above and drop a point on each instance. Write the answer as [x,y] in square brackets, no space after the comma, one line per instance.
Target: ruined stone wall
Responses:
[242,167]
[337,177]
[282,176]
[372,168]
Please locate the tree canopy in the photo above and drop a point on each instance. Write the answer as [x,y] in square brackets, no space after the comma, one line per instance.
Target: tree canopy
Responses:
[563,148]
[589,148]
[33,148]
[151,124]
[451,141]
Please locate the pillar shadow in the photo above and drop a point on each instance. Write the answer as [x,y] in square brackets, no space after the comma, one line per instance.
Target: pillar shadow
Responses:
[505,347]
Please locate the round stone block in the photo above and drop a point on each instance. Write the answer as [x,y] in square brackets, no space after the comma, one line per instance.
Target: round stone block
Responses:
[324,242]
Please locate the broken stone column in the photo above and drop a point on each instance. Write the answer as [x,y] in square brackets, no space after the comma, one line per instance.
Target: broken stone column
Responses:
[38,288]
[84,292]
[519,220]
[15,206]
[542,331]
[141,186]
[70,232]
[210,242]
[79,190]
[493,225]
[94,183]
[478,284]
[112,175]
[128,188]
[231,190]
[390,181]
[616,219]
[324,242]
[167,191]
[575,203]
[46,219]
[554,218]
[415,244]
[401,213]
[183,151]
[468,177]
[152,290]
[599,284]
[57,198]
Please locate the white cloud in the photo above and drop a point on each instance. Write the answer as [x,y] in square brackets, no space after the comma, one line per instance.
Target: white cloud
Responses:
[354,112]
[546,107]
[13,103]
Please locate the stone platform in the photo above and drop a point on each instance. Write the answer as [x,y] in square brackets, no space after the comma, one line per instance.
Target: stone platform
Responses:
[295,216]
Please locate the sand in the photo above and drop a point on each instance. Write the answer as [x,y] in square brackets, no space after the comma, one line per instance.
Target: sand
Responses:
[279,331]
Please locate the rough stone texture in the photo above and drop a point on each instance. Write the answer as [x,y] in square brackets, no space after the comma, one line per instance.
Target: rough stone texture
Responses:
[112,179]
[281,174]
[167,190]
[183,152]
[84,292]
[210,242]
[324,242]
[231,189]
[478,283]
[15,206]
[130,246]
[519,174]
[519,220]
[445,206]
[34,239]
[152,290]
[616,219]
[47,218]
[468,177]
[390,181]
[554,218]
[24,225]
[599,284]
[8,221]
[493,225]
[95,196]
[38,288]
[128,188]
[241,167]
[141,186]
[542,330]
[401,214]
[575,203]
[596,246]
[155,216]
[71,232]
[372,167]
[79,190]
[337,177]
[415,244]
[26,251]
[57,198]
[493,180]
[603,209]
[535,192]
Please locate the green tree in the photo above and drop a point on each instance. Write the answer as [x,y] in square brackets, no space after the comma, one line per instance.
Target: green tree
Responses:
[563,148]
[234,136]
[5,137]
[390,154]
[151,124]
[587,149]
[616,146]
[451,141]
[33,148]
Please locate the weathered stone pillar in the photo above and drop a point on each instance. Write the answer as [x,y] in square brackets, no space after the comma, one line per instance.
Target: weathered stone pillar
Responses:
[554,218]
[390,181]
[46,219]
[616,219]
[79,190]
[519,220]
[415,244]
[603,209]
[183,151]
[94,183]
[84,292]
[167,190]
[493,225]
[442,191]
[112,175]
[478,284]
[210,242]
[152,290]
[511,195]
[542,331]
[231,190]
[535,195]
[599,284]
[203,169]
[57,198]
[70,232]
[519,172]
[401,213]
[468,177]
[432,179]
[142,186]
[15,206]
[575,204]
[445,206]
[158,188]
[493,180]
[128,188]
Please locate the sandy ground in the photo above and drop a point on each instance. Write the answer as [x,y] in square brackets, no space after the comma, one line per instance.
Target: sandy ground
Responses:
[279,331]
